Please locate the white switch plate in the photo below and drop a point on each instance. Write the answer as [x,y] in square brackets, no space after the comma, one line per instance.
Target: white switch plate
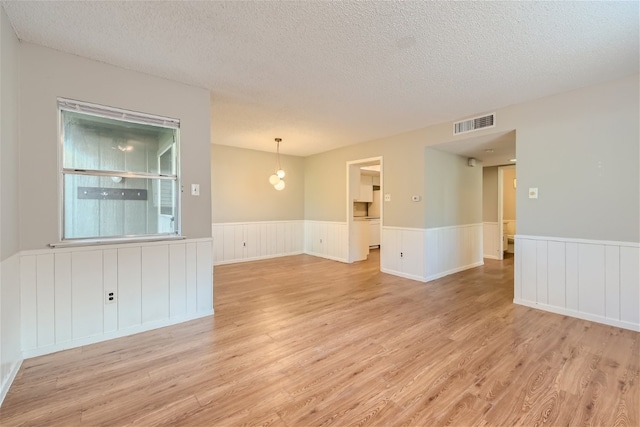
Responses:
[533,193]
[387,197]
[195,189]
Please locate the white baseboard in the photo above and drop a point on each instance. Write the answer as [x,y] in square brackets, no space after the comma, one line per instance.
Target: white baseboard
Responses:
[578,314]
[331,257]
[258,258]
[403,274]
[491,257]
[454,270]
[15,367]
[111,335]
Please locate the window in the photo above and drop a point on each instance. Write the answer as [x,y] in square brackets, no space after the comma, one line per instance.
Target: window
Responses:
[120,173]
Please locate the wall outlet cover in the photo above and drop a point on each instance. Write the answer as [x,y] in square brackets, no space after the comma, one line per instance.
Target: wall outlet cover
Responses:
[387,197]
[533,193]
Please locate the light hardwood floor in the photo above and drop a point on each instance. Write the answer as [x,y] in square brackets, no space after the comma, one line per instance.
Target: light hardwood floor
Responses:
[303,341]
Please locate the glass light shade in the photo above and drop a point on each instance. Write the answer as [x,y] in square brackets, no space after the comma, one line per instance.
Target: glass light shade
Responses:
[279,186]
[280,173]
[274,179]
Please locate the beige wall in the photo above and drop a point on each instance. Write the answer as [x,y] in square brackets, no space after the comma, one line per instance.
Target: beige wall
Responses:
[490,194]
[508,194]
[581,150]
[10,327]
[9,243]
[403,176]
[47,74]
[241,190]
[586,170]
[453,190]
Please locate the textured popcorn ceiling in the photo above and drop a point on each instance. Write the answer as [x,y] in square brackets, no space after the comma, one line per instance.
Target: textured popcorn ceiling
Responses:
[326,74]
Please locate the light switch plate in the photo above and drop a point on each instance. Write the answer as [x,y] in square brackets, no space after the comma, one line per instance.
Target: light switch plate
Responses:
[387,197]
[195,189]
[533,193]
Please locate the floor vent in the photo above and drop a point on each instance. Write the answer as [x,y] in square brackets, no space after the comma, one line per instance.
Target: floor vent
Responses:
[474,123]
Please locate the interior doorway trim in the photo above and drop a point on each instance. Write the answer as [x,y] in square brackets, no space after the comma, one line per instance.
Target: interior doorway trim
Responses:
[350,191]
[501,170]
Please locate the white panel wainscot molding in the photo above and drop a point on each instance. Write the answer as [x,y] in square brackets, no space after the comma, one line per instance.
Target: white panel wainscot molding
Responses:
[453,249]
[402,252]
[250,241]
[10,348]
[491,240]
[63,291]
[326,239]
[588,279]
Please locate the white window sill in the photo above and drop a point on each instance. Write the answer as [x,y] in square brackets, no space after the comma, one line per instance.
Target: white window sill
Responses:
[113,241]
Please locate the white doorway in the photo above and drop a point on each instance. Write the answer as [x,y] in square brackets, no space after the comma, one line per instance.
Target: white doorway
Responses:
[362,228]
[507,221]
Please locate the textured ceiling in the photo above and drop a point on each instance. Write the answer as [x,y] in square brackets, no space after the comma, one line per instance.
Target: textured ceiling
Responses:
[326,74]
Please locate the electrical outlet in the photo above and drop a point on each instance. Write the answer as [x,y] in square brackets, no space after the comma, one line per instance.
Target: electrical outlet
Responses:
[387,197]
[109,297]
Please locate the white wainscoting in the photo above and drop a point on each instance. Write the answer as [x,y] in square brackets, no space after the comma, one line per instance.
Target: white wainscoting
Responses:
[326,239]
[249,241]
[63,303]
[491,240]
[10,348]
[589,279]
[453,249]
[402,252]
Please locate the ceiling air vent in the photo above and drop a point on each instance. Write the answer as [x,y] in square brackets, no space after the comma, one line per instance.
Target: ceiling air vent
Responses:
[475,123]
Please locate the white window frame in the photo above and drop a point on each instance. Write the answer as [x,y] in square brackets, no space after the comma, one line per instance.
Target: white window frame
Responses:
[65,104]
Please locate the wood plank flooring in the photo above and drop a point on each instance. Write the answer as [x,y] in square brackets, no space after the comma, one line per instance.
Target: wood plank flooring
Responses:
[303,341]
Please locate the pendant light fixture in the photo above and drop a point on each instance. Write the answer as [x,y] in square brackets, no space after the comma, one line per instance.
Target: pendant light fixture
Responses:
[276,178]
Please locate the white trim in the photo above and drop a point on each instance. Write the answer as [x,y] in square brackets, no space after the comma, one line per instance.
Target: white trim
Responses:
[6,385]
[449,227]
[578,314]
[331,257]
[491,257]
[404,275]
[112,241]
[283,221]
[114,245]
[454,270]
[490,222]
[352,249]
[391,227]
[117,113]
[576,240]
[259,258]
[307,221]
[10,314]
[35,352]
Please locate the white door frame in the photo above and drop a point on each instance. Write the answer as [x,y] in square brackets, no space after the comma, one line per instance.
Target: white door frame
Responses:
[501,170]
[351,197]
